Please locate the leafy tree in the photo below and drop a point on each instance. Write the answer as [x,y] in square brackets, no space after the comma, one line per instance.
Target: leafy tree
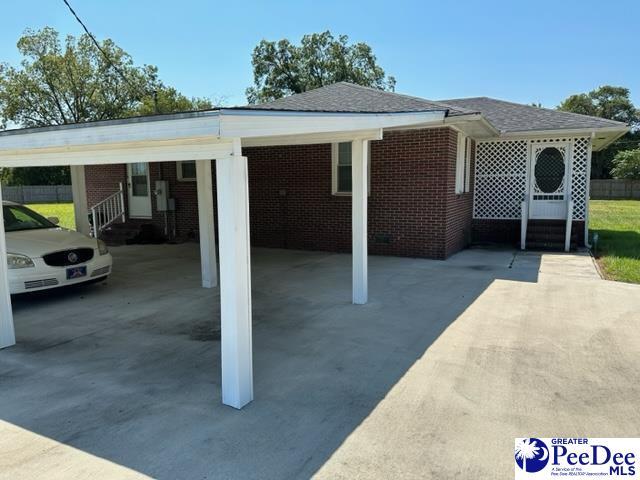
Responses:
[60,83]
[626,165]
[612,103]
[282,68]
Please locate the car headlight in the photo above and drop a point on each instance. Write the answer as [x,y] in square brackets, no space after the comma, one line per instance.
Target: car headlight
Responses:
[102,248]
[15,261]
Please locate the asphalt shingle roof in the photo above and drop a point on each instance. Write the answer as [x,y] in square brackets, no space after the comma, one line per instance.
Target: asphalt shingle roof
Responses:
[514,117]
[346,97]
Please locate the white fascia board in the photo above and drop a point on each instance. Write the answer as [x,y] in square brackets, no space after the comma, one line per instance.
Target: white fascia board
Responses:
[117,132]
[313,138]
[132,152]
[250,124]
[475,125]
[601,137]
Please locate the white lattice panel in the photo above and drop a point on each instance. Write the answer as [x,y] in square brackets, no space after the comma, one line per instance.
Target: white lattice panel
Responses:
[501,177]
[501,173]
[581,158]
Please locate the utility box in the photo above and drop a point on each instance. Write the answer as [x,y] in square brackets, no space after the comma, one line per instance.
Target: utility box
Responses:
[162,195]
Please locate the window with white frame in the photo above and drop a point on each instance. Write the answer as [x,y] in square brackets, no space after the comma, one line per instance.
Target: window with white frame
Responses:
[186,171]
[341,168]
[463,164]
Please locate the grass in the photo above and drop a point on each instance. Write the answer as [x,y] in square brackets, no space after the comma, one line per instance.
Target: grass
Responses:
[64,211]
[617,223]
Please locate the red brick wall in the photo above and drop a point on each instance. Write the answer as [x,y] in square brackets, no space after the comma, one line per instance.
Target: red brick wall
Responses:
[459,206]
[413,209]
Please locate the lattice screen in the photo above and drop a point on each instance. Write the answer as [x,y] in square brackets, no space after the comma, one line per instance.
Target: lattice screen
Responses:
[579,183]
[501,177]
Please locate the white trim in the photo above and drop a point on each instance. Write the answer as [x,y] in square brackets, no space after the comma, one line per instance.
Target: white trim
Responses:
[206,222]
[588,193]
[235,280]
[158,151]
[180,174]
[7,331]
[460,163]
[359,169]
[80,204]
[244,125]
[467,165]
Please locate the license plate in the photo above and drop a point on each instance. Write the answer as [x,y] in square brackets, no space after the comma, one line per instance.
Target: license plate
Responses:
[76,272]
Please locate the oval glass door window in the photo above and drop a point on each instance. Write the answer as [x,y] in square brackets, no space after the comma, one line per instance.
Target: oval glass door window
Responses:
[549,171]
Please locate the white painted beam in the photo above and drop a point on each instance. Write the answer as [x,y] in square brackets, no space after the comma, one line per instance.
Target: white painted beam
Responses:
[204,181]
[235,280]
[7,332]
[104,154]
[359,196]
[80,207]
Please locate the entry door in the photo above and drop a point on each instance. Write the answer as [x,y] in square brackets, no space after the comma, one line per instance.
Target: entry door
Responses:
[549,182]
[139,190]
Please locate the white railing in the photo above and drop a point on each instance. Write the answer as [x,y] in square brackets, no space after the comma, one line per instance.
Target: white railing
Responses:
[567,231]
[108,211]
[524,221]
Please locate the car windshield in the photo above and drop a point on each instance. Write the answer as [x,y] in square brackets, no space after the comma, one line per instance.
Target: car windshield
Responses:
[18,218]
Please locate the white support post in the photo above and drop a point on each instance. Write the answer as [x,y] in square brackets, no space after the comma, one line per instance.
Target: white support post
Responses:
[7,332]
[359,196]
[79,191]
[205,218]
[235,279]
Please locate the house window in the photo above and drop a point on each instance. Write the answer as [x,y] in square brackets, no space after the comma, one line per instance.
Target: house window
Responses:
[463,164]
[341,170]
[186,171]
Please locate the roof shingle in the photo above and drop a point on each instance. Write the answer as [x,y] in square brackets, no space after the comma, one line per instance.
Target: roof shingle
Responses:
[346,97]
[514,117]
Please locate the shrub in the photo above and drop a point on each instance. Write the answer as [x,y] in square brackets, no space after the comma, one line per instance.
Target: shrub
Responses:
[626,165]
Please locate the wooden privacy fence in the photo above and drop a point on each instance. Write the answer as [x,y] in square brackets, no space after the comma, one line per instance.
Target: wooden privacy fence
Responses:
[615,189]
[38,194]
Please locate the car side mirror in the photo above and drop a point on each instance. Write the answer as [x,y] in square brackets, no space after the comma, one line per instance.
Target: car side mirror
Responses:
[54,220]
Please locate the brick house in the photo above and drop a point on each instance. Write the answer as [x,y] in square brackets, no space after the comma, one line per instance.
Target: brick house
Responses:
[433,190]
[341,168]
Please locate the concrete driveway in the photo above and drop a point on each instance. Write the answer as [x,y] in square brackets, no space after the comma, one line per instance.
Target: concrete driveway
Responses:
[432,379]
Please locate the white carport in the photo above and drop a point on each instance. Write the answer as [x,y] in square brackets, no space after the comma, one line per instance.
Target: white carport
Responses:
[205,136]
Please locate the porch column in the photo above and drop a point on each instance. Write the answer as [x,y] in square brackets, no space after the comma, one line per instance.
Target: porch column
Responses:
[235,279]
[7,332]
[205,218]
[359,192]
[79,192]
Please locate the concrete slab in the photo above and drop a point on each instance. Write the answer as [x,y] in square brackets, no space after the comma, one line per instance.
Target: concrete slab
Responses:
[123,379]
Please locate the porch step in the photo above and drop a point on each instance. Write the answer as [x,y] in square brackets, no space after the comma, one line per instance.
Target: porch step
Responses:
[549,235]
[119,234]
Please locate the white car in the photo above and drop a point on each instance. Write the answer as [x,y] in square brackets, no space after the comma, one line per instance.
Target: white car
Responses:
[42,255]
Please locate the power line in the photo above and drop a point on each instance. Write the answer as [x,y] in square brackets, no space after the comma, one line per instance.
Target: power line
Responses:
[104,53]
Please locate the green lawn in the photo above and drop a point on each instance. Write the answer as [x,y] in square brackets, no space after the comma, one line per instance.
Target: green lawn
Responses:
[64,211]
[617,223]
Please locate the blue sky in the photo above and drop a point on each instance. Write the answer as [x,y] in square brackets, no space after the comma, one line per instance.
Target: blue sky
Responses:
[538,51]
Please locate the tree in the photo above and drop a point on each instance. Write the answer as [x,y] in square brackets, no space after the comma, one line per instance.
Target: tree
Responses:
[626,165]
[612,103]
[58,84]
[282,68]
